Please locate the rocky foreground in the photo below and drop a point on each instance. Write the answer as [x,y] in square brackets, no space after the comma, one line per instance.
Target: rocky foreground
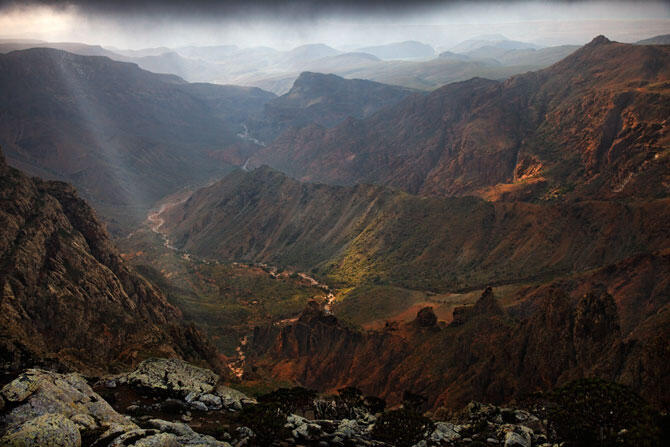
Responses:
[172,403]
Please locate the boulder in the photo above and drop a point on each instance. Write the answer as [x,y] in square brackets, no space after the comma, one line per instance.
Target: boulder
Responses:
[233,399]
[35,393]
[212,401]
[173,376]
[426,317]
[49,430]
[515,435]
[444,432]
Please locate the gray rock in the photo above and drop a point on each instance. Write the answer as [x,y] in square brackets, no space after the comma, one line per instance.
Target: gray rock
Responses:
[39,392]
[303,429]
[349,428]
[212,401]
[197,405]
[176,428]
[22,387]
[233,399]
[84,421]
[127,437]
[158,440]
[173,375]
[49,430]
[515,435]
[444,432]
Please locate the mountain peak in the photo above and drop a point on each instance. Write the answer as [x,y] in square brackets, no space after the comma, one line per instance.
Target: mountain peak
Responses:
[599,40]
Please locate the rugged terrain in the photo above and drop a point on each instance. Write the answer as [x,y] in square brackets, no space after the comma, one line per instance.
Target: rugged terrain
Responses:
[68,299]
[570,166]
[173,403]
[591,124]
[364,233]
[325,100]
[123,136]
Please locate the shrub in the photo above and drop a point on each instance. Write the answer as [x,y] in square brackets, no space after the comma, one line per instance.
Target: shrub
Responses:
[402,428]
[267,420]
[289,399]
[594,412]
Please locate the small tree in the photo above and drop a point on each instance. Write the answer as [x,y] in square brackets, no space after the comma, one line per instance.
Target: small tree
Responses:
[402,428]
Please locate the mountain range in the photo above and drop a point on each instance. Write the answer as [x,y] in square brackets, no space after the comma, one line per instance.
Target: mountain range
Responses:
[526,137]
[492,239]
[551,186]
[124,136]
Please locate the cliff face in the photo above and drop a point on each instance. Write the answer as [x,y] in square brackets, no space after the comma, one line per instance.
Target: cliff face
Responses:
[67,298]
[594,123]
[554,333]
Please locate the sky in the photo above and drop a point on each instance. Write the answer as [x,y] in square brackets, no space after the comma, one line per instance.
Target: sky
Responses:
[343,24]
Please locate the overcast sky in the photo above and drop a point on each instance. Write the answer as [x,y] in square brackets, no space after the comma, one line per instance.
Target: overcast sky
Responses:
[342,24]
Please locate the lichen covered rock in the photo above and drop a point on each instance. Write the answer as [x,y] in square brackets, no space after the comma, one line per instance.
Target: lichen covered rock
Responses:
[49,430]
[173,376]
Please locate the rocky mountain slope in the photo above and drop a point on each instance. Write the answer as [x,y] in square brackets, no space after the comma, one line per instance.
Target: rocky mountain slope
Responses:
[173,403]
[593,124]
[325,100]
[552,333]
[123,136]
[367,233]
[68,300]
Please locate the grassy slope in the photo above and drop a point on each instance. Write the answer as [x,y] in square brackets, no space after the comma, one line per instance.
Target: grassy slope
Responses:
[226,300]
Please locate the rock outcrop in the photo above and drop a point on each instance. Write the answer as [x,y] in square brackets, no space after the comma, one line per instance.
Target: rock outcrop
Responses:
[67,299]
[61,410]
[554,333]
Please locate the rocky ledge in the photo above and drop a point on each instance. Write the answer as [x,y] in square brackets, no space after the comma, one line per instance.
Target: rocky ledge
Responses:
[166,403]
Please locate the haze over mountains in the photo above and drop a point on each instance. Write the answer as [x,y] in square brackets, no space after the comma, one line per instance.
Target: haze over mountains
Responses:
[410,63]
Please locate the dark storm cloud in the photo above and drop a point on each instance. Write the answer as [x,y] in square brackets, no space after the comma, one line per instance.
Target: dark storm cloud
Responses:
[344,23]
[306,7]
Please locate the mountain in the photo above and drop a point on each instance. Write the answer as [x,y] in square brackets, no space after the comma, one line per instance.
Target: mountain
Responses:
[211,53]
[326,100]
[551,334]
[663,39]
[410,49]
[68,299]
[542,57]
[7,46]
[526,137]
[123,136]
[494,40]
[370,234]
[303,54]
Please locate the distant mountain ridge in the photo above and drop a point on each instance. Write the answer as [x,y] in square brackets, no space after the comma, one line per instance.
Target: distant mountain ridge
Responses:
[522,138]
[409,49]
[124,136]
[325,100]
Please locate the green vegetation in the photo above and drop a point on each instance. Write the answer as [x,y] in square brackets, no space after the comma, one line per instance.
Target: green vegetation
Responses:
[226,300]
[402,428]
[369,303]
[594,412]
[267,421]
[289,399]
